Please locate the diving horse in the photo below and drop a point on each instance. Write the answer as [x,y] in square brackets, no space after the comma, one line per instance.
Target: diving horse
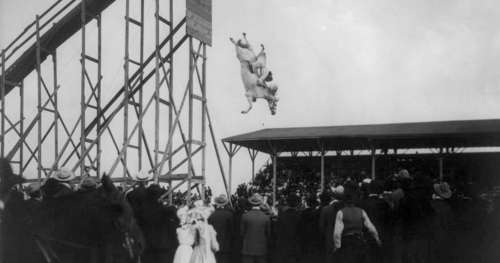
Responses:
[255,75]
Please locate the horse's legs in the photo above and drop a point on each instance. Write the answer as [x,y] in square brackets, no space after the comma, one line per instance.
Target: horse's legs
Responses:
[250,101]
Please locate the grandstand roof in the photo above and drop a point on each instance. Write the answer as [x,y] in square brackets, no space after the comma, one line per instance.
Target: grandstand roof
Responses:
[466,133]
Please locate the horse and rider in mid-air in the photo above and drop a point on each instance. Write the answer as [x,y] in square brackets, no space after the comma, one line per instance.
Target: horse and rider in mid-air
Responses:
[257,78]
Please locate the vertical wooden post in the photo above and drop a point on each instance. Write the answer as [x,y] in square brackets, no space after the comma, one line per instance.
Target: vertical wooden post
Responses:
[39,100]
[56,110]
[203,118]
[322,183]
[83,105]
[373,159]
[98,99]
[440,162]
[170,92]
[190,118]
[21,128]
[2,93]
[230,171]
[253,154]
[274,155]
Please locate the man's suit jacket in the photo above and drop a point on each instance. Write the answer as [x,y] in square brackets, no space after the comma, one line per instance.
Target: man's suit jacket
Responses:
[287,231]
[223,222]
[327,222]
[255,229]
[379,212]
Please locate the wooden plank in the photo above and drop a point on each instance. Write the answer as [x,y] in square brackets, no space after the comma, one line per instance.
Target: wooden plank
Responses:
[199,20]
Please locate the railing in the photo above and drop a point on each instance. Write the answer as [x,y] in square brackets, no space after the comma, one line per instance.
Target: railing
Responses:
[30,31]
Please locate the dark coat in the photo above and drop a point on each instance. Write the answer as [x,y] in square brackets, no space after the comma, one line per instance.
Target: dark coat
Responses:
[287,231]
[378,210]
[222,220]
[256,230]
[327,223]
[310,236]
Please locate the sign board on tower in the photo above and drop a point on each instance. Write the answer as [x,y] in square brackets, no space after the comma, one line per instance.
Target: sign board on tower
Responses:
[199,20]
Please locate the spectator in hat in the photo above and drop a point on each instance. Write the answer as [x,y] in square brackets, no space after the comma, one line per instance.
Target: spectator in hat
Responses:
[88,184]
[59,184]
[222,219]
[255,230]
[287,226]
[442,223]
[379,211]
[34,192]
[327,219]
[310,236]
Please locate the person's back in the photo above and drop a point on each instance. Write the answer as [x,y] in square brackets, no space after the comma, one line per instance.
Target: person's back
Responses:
[326,226]
[353,220]
[255,229]
[310,237]
[287,233]
[222,220]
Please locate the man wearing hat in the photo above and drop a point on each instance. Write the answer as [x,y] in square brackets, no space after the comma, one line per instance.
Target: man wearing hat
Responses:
[255,230]
[378,210]
[88,184]
[443,221]
[287,229]
[59,184]
[222,219]
[327,219]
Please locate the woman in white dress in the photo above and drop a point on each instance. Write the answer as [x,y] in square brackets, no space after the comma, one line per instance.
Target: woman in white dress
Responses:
[205,238]
[185,235]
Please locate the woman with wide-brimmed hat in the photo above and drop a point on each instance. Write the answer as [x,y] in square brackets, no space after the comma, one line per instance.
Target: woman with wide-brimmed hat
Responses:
[205,243]
[185,236]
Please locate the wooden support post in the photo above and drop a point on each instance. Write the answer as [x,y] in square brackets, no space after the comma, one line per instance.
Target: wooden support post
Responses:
[231,152]
[274,155]
[190,118]
[373,159]
[440,162]
[253,154]
[2,91]
[322,170]
[39,101]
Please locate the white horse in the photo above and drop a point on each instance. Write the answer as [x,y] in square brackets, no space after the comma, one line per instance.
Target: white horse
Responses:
[255,75]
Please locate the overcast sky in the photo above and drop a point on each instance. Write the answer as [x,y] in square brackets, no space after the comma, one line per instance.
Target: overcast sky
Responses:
[336,61]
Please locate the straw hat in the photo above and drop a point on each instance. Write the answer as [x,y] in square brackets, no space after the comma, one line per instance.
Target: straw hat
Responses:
[64,175]
[221,200]
[88,183]
[255,199]
[443,190]
[142,176]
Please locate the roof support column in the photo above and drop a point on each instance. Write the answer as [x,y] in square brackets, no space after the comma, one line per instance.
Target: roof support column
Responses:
[273,156]
[253,154]
[231,151]
[322,184]
[373,159]
[440,160]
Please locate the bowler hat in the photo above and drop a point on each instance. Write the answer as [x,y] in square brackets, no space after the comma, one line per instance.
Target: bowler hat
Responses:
[64,175]
[88,183]
[255,200]
[443,190]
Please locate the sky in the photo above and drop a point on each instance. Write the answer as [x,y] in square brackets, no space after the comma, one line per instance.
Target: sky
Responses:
[336,62]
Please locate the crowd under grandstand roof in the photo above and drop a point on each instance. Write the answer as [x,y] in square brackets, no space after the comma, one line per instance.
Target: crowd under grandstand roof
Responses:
[439,134]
